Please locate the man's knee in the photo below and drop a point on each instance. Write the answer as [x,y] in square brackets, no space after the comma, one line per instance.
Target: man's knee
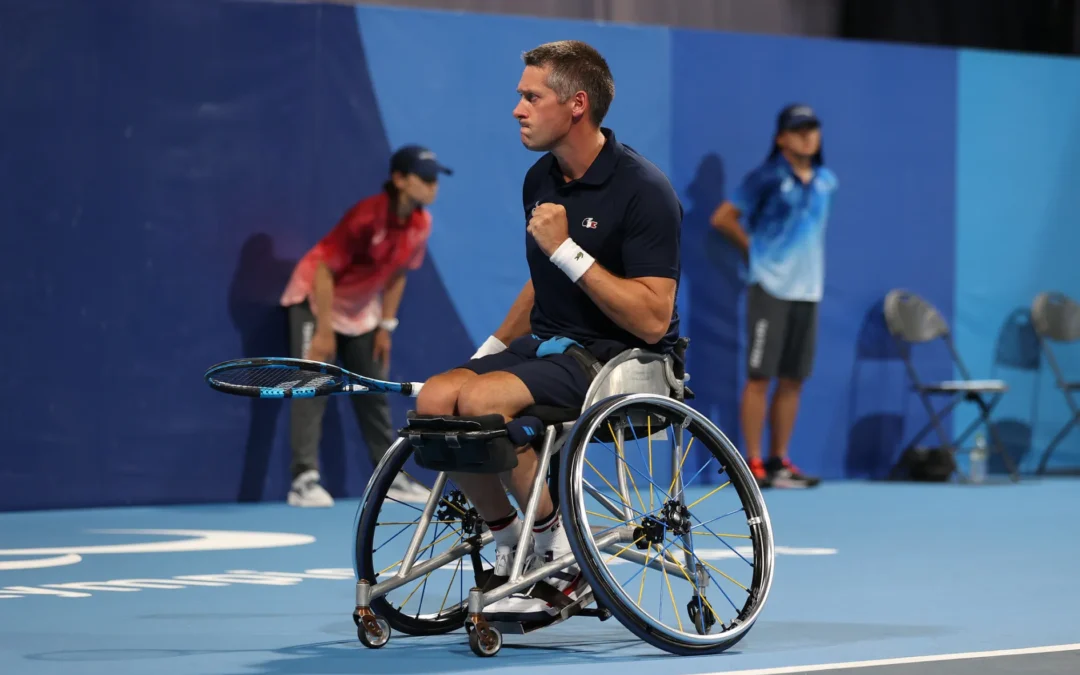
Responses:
[789,385]
[494,393]
[439,396]
[757,386]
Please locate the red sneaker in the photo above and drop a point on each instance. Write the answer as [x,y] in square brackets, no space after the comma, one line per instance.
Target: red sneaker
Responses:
[757,467]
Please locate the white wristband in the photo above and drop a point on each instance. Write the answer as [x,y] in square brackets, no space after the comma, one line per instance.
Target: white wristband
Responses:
[492,345]
[572,260]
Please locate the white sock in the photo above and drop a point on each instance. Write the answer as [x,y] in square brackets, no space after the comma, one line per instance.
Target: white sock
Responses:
[550,536]
[507,535]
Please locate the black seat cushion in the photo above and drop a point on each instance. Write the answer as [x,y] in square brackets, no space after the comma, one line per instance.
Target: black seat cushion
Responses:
[551,414]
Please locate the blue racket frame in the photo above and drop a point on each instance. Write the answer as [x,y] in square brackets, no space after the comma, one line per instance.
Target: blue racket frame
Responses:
[343,382]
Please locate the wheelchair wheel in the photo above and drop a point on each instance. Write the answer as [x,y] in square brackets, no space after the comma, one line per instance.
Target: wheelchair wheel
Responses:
[434,603]
[680,568]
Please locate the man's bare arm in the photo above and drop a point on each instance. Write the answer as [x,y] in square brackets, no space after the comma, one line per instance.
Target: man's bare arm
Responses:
[517,322]
[726,220]
[642,306]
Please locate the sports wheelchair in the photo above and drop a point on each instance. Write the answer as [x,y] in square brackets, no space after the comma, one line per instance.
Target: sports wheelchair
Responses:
[616,534]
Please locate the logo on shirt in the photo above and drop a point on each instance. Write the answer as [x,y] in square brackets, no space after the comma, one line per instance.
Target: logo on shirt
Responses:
[589,224]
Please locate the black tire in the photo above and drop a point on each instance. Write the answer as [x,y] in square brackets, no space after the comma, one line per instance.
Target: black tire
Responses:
[574,521]
[396,457]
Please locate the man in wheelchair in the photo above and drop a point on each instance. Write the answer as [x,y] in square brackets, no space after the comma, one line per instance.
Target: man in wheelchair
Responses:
[602,245]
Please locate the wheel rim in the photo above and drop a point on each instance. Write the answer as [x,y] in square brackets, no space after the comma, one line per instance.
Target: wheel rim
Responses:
[667,519]
[427,604]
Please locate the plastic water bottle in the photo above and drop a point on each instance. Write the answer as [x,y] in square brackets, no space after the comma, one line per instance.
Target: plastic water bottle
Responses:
[978,460]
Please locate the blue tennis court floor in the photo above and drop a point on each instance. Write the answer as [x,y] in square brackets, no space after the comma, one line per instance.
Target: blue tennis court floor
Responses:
[890,579]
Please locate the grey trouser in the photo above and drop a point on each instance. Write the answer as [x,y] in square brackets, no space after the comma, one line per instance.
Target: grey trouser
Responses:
[372,410]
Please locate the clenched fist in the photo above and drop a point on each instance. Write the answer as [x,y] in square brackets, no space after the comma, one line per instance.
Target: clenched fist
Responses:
[548,227]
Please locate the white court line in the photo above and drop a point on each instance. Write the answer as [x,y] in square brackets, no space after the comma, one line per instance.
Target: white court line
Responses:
[797,670]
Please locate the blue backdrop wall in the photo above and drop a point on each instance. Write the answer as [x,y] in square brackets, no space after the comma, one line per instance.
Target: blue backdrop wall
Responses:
[1017,232]
[174,159]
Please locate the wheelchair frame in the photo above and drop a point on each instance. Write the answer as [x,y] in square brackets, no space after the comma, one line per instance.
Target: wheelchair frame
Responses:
[633,376]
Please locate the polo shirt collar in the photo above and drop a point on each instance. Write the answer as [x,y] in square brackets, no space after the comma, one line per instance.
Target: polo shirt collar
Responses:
[602,167]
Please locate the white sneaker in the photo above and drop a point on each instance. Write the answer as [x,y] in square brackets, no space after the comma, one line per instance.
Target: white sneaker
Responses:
[405,489]
[528,605]
[307,492]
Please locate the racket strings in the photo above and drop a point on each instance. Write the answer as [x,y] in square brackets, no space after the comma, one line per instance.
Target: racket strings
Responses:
[274,377]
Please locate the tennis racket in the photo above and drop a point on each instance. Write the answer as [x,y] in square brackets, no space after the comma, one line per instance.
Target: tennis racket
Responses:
[296,378]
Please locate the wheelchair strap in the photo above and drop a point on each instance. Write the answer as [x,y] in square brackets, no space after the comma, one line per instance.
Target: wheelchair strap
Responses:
[589,363]
[564,345]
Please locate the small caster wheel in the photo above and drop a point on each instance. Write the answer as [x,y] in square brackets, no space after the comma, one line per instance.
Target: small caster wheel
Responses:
[373,631]
[701,614]
[356,619]
[485,640]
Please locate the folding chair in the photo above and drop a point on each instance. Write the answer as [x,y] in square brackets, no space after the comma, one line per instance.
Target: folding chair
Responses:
[1056,317]
[912,320]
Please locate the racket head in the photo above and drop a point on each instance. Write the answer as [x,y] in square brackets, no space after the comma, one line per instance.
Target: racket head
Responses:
[279,378]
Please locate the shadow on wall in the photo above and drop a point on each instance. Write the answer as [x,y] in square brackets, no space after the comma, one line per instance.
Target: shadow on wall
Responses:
[716,270]
[1017,349]
[874,440]
[261,323]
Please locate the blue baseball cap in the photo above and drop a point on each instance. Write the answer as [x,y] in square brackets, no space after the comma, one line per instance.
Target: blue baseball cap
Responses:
[418,160]
[795,116]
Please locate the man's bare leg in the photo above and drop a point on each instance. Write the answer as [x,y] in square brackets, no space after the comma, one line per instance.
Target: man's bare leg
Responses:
[503,394]
[439,396]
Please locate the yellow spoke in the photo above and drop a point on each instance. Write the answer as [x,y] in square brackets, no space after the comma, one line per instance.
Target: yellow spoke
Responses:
[671,593]
[686,453]
[624,549]
[605,480]
[440,539]
[682,569]
[648,428]
[600,515]
[417,522]
[451,585]
[733,536]
[626,467]
[409,597]
[706,564]
[708,495]
[645,571]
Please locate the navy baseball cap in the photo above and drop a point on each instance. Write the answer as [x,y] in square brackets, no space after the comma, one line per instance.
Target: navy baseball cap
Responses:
[796,116]
[418,160]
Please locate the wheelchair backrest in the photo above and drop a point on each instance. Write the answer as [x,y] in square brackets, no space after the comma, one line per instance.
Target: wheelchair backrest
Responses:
[635,371]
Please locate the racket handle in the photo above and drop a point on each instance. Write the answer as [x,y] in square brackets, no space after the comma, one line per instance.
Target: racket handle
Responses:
[412,389]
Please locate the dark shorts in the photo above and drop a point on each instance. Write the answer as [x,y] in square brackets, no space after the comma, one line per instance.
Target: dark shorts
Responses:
[553,380]
[782,336]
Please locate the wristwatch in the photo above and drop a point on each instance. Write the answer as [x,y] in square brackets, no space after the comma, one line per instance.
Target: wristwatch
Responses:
[388,325]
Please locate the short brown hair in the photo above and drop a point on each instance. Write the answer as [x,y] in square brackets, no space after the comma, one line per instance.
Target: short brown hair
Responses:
[575,66]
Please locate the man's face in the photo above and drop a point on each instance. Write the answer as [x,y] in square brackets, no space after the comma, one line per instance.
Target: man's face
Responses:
[420,191]
[801,141]
[544,121]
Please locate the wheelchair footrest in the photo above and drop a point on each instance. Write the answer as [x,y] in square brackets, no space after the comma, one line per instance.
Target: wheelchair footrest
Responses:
[466,444]
[508,626]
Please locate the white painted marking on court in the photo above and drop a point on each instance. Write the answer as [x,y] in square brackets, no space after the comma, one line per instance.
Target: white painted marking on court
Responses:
[903,661]
[39,563]
[197,540]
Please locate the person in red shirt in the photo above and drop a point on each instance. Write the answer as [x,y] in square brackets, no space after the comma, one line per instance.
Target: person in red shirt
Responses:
[342,301]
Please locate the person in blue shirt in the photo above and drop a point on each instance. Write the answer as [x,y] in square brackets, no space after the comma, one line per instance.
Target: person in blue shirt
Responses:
[777,215]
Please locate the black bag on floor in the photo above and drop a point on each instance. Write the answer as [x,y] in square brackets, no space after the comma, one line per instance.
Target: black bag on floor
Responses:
[924,465]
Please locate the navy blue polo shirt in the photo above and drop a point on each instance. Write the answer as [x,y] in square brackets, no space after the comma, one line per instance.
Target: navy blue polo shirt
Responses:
[625,214]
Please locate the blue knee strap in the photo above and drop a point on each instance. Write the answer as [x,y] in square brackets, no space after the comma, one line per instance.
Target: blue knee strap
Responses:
[524,430]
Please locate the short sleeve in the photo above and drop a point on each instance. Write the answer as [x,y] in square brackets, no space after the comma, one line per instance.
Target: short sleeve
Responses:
[653,221]
[748,193]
